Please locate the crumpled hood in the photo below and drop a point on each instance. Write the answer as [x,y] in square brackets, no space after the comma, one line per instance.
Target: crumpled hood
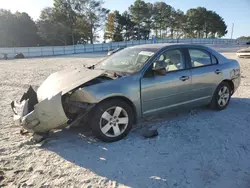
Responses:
[65,80]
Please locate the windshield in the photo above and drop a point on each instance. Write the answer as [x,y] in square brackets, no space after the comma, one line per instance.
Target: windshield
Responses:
[127,60]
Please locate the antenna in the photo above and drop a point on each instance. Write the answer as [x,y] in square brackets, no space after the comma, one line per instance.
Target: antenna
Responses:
[232,31]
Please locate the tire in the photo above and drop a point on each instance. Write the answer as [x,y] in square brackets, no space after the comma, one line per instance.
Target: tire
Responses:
[221,97]
[109,118]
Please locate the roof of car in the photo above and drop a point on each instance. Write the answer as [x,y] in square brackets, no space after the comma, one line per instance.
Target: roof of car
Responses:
[156,47]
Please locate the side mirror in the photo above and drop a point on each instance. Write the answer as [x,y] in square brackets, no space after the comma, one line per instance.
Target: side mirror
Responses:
[159,68]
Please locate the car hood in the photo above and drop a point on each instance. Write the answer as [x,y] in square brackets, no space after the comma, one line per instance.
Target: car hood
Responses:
[65,81]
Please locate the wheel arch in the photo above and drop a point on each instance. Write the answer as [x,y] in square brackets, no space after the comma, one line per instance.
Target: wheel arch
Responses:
[125,99]
[230,83]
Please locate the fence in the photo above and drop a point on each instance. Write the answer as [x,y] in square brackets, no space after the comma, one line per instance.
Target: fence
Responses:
[88,48]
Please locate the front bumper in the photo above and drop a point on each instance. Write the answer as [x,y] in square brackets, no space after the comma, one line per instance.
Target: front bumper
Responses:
[243,54]
[39,117]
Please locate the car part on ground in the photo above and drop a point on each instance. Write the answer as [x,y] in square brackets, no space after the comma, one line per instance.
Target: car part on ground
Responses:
[150,133]
[243,53]
[19,56]
[133,83]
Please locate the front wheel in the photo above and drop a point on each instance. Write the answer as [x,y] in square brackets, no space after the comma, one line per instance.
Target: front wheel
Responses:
[221,97]
[112,120]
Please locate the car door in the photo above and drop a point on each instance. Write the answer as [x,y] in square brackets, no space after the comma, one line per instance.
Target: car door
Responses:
[206,74]
[161,92]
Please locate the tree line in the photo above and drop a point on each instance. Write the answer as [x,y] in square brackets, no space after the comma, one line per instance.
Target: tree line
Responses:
[164,21]
[70,22]
[244,38]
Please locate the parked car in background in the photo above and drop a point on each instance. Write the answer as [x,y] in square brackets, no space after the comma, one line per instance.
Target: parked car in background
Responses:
[133,83]
[248,43]
[243,53]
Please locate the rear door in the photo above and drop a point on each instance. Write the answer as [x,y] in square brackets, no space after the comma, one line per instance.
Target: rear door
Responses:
[206,74]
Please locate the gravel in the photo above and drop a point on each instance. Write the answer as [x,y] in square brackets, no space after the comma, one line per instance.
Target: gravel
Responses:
[194,148]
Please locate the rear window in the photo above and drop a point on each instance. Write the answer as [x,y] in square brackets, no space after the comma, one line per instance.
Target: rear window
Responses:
[199,58]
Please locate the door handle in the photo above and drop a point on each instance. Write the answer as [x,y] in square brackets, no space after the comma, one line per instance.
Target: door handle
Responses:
[217,71]
[184,78]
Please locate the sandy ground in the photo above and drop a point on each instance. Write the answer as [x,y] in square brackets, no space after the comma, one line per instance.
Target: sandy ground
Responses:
[195,148]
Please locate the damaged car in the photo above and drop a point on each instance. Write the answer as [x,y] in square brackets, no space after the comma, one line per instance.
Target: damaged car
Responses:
[243,53]
[133,83]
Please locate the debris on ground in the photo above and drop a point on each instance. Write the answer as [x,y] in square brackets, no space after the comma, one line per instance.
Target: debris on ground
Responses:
[1,176]
[19,56]
[150,133]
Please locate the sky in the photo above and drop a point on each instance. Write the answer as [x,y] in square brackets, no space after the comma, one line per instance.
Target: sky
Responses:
[233,11]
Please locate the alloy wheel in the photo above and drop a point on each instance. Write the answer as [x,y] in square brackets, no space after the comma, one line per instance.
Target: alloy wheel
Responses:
[223,96]
[114,121]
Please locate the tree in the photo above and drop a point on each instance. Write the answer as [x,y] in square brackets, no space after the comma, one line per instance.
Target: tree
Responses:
[64,14]
[17,29]
[128,26]
[51,30]
[110,27]
[118,27]
[161,15]
[204,23]
[180,19]
[218,26]
[139,11]
[94,14]
[26,34]
[195,21]
[244,38]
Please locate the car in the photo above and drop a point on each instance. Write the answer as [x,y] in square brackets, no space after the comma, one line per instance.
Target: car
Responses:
[114,51]
[134,83]
[244,53]
[248,43]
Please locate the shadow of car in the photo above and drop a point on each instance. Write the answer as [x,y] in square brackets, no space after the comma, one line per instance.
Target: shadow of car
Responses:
[189,145]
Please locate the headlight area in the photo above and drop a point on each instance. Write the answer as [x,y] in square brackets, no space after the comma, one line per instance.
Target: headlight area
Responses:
[76,111]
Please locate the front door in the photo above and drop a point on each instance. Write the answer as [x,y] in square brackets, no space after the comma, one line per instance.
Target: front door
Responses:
[163,91]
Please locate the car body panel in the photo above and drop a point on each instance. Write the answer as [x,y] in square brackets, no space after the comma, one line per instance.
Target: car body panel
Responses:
[147,95]
[204,82]
[98,93]
[64,81]
[161,92]
[47,115]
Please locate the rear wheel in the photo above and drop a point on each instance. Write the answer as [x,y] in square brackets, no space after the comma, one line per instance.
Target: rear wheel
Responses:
[112,120]
[221,97]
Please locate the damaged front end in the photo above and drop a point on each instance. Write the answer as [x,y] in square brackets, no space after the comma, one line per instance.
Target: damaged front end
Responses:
[39,117]
[51,106]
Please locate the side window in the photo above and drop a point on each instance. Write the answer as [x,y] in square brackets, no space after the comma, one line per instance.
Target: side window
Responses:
[199,58]
[172,60]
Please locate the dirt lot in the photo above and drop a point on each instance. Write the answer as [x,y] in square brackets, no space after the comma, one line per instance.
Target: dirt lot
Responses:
[195,148]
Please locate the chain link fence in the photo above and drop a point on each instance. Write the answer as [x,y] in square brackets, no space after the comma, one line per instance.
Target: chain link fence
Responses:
[104,47]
